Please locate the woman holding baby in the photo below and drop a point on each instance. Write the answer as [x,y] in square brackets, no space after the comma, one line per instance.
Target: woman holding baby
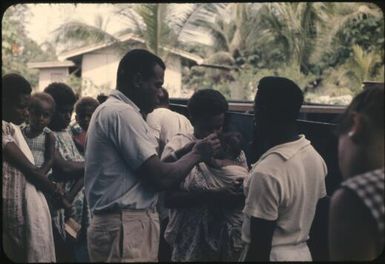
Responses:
[206,208]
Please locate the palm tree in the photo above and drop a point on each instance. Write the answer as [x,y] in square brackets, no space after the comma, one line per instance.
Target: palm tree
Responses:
[161,26]
[361,67]
[339,16]
[76,33]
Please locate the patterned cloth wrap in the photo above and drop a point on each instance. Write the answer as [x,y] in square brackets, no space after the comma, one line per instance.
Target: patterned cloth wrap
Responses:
[369,187]
[219,227]
[80,210]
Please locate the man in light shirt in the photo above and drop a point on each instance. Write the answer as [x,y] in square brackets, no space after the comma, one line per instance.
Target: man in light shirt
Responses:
[286,183]
[167,123]
[123,173]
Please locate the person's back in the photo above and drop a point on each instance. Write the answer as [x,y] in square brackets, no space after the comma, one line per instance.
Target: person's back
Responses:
[286,183]
[167,123]
[299,172]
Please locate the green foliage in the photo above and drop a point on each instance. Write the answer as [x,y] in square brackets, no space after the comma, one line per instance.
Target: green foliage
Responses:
[329,49]
[17,48]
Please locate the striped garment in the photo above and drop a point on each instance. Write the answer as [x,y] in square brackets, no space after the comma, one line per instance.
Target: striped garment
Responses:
[369,187]
[36,144]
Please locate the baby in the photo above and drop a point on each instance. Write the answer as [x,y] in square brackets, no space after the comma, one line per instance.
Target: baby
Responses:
[231,148]
[227,167]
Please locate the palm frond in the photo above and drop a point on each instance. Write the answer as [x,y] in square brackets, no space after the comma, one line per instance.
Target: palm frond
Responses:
[81,33]
[220,58]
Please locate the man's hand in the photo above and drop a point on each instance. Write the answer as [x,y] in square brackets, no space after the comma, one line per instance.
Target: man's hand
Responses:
[207,147]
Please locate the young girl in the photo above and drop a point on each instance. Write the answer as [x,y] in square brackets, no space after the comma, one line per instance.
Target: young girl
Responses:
[36,133]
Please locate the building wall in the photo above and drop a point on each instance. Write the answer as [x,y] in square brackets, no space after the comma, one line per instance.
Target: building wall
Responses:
[173,76]
[99,69]
[49,75]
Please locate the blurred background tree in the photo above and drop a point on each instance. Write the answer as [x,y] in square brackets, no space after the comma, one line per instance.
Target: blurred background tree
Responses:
[327,48]
[17,48]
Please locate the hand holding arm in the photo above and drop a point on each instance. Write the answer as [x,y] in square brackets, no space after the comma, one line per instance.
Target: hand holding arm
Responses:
[16,157]
[180,152]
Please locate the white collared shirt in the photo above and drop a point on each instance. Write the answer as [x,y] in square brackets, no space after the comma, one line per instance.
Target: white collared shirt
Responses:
[166,124]
[285,185]
[119,141]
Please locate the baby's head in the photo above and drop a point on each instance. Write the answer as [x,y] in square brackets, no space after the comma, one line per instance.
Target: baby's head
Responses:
[231,145]
[84,108]
[40,110]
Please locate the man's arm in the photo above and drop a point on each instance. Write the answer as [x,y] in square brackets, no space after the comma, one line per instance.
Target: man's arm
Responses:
[174,156]
[351,229]
[67,169]
[261,236]
[163,175]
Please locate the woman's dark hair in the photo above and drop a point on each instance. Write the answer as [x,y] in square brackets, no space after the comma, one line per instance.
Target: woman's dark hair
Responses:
[370,103]
[207,103]
[13,85]
[136,61]
[61,93]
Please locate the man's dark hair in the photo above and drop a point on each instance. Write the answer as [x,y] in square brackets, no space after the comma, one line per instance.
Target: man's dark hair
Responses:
[61,93]
[207,103]
[164,99]
[85,101]
[370,103]
[42,96]
[13,85]
[136,61]
[278,97]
